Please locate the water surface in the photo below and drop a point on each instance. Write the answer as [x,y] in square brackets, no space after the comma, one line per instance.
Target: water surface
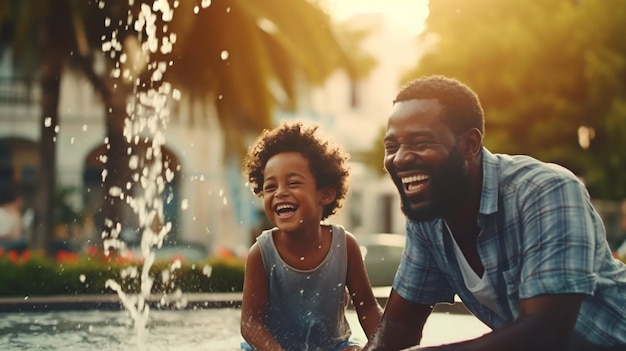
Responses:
[215,329]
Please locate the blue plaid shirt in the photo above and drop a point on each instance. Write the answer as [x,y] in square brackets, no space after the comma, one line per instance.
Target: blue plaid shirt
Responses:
[539,234]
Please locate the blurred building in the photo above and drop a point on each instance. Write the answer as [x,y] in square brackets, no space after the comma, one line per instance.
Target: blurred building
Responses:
[200,200]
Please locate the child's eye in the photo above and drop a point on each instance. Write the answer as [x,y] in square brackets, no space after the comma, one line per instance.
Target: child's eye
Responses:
[269,187]
[294,183]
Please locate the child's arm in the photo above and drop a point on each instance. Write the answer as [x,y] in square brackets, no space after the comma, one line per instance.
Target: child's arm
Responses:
[366,305]
[254,304]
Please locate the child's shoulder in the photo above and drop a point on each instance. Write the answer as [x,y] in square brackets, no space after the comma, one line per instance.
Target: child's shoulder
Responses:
[338,228]
[265,233]
[261,240]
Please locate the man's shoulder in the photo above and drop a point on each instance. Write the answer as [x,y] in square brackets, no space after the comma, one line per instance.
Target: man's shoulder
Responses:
[523,177]
[519,168]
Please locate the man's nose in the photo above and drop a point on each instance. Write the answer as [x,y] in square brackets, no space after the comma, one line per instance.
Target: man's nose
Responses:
[404,155]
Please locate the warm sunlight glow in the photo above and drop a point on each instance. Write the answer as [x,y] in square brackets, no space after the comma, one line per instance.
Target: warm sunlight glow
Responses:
[408,14]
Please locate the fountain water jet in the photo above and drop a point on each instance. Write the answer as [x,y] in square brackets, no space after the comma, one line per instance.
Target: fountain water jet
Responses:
[148,116]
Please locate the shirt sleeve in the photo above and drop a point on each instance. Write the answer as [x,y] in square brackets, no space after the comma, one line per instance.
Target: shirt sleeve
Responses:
[560,235]
[418,278]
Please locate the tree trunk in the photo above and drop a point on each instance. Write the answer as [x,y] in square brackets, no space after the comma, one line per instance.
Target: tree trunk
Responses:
[51,70]
[115,209]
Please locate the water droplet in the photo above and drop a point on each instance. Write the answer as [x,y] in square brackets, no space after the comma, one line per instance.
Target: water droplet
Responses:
[302,258]
[207,270]
[115,191]
[266,25]
[176,95]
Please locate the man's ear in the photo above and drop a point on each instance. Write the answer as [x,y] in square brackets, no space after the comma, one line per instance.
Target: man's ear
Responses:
[328,195]
[471,143]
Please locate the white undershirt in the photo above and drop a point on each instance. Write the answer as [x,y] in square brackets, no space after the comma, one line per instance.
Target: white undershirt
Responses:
[478,286]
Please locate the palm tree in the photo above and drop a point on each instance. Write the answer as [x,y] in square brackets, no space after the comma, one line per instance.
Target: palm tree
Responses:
[270,44]
[42,36]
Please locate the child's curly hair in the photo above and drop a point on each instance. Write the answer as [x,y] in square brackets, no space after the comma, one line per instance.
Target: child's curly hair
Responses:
[327,162]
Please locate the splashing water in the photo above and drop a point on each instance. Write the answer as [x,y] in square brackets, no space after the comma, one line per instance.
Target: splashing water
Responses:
[148,111]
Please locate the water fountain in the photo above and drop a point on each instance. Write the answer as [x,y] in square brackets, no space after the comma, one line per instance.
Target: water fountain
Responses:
[149,114]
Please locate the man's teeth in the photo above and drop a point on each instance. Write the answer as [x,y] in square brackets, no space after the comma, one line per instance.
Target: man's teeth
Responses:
[413,182]
[415,178]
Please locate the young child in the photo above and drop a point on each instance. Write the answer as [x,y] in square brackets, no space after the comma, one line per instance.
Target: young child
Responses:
[298,273]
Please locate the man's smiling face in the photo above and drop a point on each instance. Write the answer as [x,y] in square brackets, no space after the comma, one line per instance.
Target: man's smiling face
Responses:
[423,159]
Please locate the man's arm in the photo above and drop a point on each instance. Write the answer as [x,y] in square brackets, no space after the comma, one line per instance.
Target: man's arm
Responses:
[546,324]
[401,326]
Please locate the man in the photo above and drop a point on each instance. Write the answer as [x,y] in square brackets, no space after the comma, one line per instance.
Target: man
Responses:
[516,239]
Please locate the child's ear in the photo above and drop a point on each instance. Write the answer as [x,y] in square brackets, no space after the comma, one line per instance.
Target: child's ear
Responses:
[328,195]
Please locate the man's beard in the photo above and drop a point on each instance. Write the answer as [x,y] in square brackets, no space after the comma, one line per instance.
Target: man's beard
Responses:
[449,187]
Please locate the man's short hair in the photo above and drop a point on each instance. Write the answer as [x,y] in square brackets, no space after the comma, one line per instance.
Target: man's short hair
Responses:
[462,109]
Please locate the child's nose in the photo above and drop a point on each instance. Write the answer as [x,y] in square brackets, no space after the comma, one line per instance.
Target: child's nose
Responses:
[280,192]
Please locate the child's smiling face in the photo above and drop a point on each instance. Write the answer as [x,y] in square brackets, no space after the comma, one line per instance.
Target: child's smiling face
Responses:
[290,195]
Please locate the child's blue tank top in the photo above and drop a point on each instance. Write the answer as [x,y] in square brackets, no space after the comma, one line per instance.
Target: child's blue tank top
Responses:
[306,308]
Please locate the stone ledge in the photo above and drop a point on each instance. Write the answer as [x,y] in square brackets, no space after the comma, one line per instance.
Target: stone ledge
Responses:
[113,302]
[161,302]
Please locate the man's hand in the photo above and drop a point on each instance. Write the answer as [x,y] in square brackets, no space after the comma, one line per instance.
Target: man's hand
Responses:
[401,325]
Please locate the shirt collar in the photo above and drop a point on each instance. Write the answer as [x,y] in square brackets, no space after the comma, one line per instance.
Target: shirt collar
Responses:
[489,195]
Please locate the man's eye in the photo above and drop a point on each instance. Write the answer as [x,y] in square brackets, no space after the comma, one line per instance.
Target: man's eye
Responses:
[421,145]
[391,148]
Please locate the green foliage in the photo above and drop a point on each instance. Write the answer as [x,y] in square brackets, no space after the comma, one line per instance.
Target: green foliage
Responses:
[542,69]
[39,276]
